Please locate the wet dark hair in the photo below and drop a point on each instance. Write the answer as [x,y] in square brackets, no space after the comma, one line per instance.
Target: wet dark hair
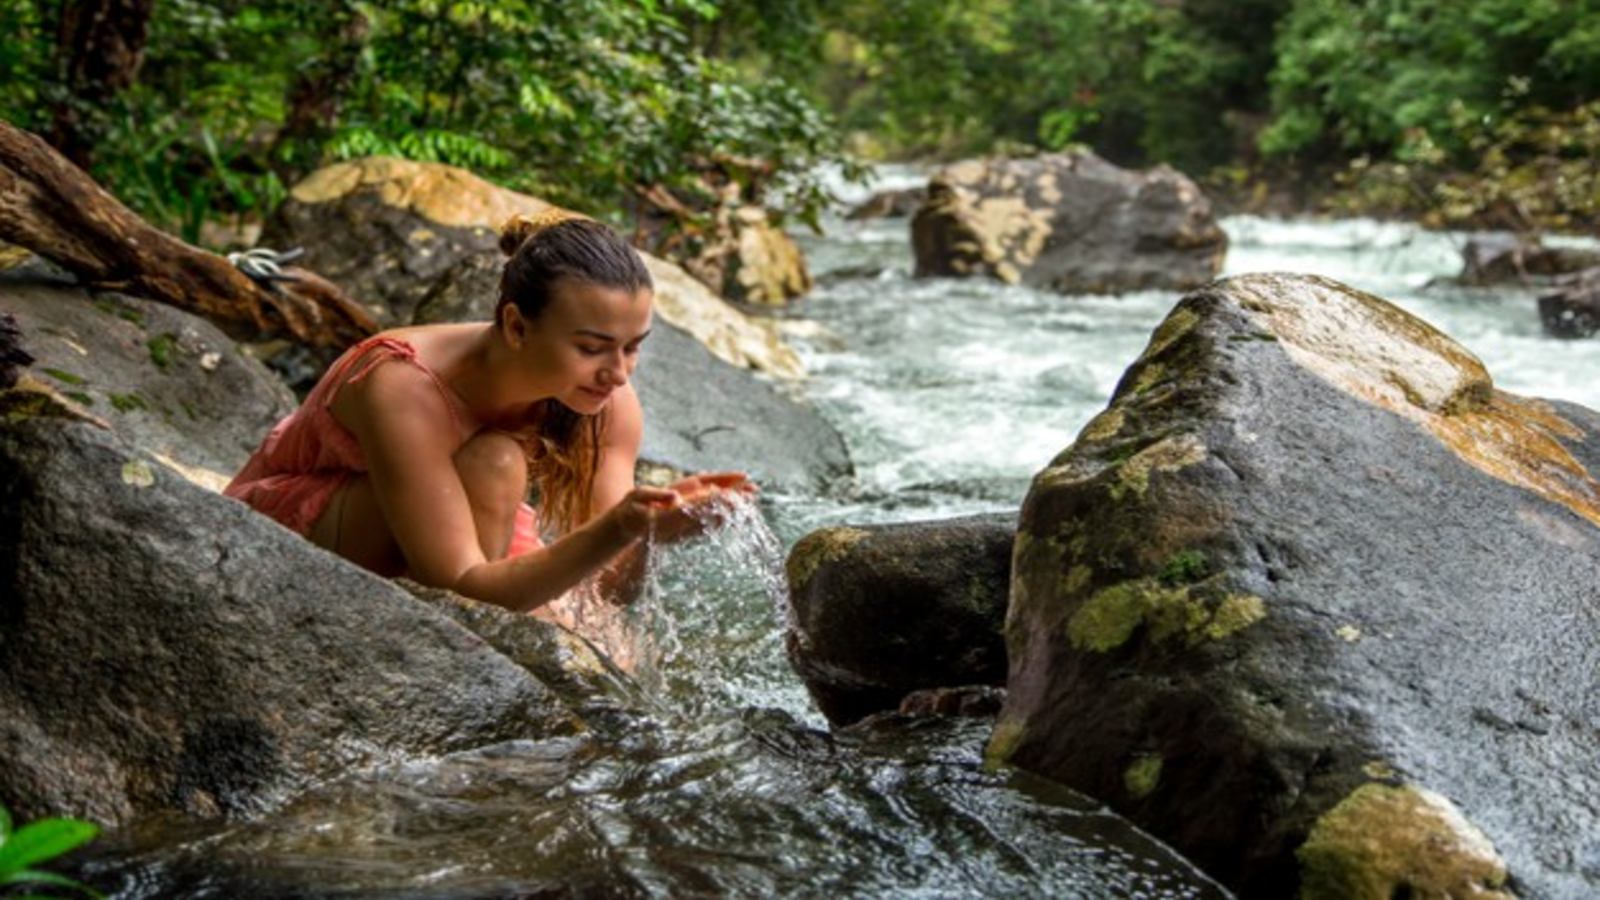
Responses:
[544,251]
[558,245]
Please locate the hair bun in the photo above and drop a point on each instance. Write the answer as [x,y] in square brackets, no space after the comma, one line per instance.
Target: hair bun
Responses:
[519,229]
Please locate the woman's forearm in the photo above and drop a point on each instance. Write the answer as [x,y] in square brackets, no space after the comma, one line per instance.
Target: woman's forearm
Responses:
[533,579]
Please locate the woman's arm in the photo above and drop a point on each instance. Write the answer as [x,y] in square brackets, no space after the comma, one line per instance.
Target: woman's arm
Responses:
[620,580]
[395,414]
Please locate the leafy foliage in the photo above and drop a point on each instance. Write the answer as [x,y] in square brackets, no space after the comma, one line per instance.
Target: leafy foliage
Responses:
[39,842]
[583,101]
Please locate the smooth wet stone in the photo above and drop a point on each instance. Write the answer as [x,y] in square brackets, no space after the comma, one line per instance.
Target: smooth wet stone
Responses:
[1308,574]
[1068,222]
[882,611]
[167,649]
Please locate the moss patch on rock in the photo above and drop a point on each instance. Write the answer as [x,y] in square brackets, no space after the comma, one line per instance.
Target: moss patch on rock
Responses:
[1383,841]
[1142,775]
[817,548]
[1109,619]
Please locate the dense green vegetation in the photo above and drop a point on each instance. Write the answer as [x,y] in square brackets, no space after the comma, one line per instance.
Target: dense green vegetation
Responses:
[1459,110]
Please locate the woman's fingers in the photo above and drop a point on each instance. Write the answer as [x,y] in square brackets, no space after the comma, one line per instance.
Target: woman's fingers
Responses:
[653,496]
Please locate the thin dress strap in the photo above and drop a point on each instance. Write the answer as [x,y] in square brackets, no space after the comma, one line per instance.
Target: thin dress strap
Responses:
[393,348]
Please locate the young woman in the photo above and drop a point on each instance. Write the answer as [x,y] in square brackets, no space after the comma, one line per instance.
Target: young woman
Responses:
[414,453]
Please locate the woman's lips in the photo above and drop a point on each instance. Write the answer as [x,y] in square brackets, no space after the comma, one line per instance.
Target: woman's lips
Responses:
[596,393]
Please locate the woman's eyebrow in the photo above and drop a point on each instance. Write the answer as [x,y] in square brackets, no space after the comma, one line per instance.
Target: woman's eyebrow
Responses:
[601,335]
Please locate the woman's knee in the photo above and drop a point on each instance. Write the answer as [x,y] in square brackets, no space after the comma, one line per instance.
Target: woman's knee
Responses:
[493,470]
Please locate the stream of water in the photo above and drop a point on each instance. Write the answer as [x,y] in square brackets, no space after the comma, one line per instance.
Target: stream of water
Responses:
[950,395]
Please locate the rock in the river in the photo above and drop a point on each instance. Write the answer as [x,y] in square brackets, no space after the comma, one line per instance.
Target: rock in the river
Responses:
[1574,310]
[747,258]
[889,204]
[168,381]
[1505,258]
[882,611]
[1316,604]
[1068,222]
[388,230]
[166,648]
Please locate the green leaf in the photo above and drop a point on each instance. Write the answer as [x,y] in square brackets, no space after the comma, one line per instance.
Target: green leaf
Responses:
[35,876]
[42,840]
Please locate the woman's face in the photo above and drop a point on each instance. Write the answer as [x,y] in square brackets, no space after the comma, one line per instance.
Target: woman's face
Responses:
[585,344]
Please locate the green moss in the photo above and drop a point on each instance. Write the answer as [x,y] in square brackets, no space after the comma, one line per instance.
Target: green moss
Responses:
[1185,567]
[1132,478]
[163,349]
[1076,579]
[1142,775]
[66,377]
[1003,742]
[1383,841]
[78,397]
[113,308]
[816,548]
[128,402]
[1235,613]
[1109,618]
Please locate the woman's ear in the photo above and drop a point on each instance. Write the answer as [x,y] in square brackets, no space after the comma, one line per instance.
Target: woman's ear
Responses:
[513,326]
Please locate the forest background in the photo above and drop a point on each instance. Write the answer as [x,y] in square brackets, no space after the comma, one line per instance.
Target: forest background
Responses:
[1465,113]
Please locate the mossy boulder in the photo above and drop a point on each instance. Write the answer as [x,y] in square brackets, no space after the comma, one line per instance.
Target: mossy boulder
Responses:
[1067,222]
[882,611]
[1307,576]
[1503,258]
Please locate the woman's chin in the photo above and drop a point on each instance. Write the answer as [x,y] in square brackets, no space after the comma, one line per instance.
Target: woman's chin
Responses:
[584,403]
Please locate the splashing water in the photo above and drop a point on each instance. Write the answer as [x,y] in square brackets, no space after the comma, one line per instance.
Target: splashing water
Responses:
[710,620]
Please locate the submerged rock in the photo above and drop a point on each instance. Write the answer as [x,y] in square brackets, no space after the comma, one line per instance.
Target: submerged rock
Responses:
[163,648]
[1068,222]
[882,611]
[1308,575]
[1573,311]
[166,380]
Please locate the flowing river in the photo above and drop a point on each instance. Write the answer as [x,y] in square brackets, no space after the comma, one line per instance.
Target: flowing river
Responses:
[950,395]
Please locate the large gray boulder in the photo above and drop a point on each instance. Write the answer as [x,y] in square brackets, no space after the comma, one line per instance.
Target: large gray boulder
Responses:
[163,648]
[1068,222]
[168,381]
[1316,604]
[883,611]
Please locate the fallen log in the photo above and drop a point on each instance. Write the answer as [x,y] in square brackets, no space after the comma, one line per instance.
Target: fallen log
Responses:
[54,209]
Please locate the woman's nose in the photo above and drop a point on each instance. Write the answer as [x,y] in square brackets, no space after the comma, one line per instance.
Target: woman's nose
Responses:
[615,372]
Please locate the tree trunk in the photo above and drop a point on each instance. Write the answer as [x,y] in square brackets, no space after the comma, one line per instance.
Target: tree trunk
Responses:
[51,207]
[99,48]
[316,96]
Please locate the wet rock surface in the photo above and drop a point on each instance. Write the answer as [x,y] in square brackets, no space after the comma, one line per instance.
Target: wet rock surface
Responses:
[163,648]
[882,611]
[1067,222]
[166,380]
[1574,310]
[1504,258]
[1309,579]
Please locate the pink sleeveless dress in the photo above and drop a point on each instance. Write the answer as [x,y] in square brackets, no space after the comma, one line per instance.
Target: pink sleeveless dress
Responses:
[309,455]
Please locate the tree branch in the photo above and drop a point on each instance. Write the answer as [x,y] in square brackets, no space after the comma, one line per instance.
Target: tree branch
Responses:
[51,207]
